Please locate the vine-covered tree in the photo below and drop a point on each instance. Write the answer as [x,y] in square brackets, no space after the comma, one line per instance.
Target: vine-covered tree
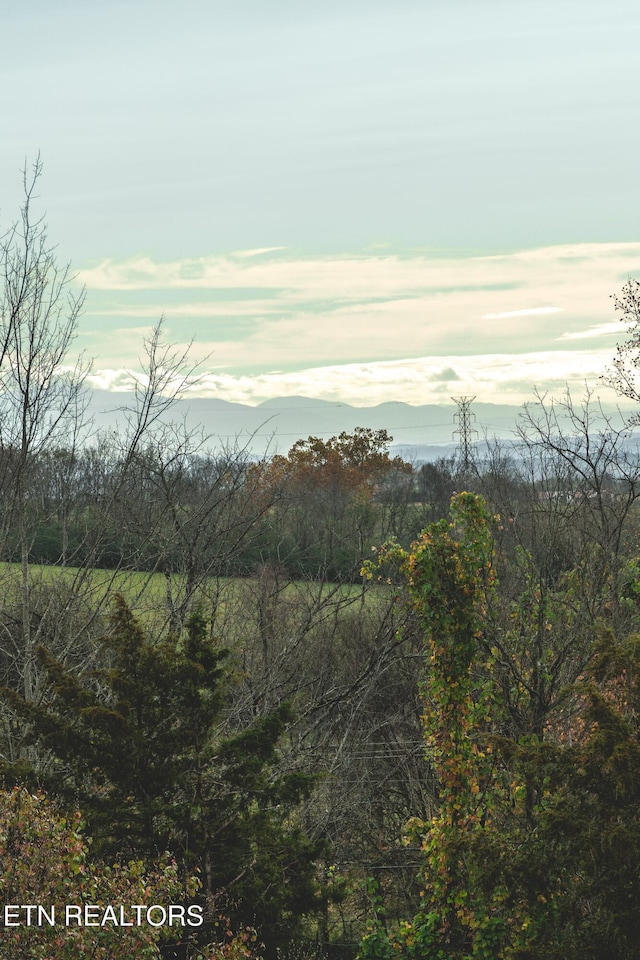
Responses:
[531,848]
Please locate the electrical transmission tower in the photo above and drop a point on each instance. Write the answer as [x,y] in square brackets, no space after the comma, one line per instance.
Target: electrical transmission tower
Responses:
[465,431]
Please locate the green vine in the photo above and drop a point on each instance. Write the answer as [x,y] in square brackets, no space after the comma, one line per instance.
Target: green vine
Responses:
[450,575]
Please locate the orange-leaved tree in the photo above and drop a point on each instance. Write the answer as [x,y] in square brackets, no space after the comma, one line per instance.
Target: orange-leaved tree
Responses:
[327,500]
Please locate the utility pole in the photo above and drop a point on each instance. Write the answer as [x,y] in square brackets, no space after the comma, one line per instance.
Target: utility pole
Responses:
[465,430]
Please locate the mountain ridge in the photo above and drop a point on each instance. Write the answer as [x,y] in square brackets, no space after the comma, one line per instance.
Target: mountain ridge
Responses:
[275,424]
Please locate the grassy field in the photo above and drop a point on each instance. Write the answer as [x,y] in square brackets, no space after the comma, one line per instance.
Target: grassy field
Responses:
[235,606]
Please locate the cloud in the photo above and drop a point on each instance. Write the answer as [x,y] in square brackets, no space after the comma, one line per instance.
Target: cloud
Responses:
[602,330]
[527,312]
[370,275]
[116,381]
[258,252]
[446,376]
[202,309]
[486,319]
[496,378]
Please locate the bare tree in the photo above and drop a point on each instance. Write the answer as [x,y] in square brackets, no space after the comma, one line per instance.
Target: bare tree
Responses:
[42,439]
[624,373]
[41,394]
[595,471]
[565,530]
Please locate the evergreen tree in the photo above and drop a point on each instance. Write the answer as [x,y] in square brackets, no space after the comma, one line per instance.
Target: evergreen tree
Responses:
[137,744]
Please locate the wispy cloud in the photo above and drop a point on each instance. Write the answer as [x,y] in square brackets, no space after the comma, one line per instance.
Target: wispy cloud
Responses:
[371,326]
[258,252]
[602,330]
[527,312]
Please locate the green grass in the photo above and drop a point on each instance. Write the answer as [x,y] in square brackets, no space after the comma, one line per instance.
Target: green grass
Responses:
[231,603]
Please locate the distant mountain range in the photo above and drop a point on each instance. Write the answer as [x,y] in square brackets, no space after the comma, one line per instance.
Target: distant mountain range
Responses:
[419,432]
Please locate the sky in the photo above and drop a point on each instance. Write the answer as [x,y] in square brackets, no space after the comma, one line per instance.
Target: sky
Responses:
[359,201]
